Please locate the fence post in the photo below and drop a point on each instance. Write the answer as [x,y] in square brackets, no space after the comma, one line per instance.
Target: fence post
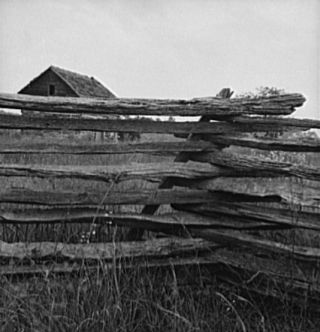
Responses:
[135,234]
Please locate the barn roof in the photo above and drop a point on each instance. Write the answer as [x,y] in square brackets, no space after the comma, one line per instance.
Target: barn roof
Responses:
[82,85]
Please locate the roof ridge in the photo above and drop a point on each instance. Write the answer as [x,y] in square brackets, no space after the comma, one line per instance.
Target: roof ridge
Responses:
[69,71]
[90,80]
[53,68]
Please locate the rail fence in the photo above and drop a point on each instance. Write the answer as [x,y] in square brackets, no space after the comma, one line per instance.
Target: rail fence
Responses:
[228,208]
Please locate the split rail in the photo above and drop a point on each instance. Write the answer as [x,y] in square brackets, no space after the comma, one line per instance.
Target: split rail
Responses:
[225,204]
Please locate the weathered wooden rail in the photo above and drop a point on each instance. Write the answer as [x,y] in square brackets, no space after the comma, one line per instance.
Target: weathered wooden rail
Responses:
[224,205]
[215,107]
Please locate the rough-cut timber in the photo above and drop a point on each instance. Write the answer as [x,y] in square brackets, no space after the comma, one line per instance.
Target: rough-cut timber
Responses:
[294,145]
[251,212]
[159,148]
[211,106]
[255,166]
[115,197]
[237,239]
[107,197]
[289,190]
[119,173]
[134,126]
[163,247]
[218,205]
[105,251]
[167,222]
[276,121]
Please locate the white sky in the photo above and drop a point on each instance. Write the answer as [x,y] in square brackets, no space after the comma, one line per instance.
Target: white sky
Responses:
[167,48]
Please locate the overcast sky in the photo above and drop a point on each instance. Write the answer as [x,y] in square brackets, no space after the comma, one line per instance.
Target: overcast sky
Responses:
[168,48]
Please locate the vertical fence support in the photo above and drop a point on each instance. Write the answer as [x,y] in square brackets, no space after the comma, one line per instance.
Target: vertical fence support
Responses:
[136,234]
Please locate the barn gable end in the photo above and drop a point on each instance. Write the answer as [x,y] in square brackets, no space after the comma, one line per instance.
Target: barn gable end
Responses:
[60,82]
[41,85]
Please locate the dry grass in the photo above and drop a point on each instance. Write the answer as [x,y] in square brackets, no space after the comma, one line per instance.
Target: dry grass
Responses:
[141,300]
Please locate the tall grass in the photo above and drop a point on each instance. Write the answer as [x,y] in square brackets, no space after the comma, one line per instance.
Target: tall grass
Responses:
[141,299]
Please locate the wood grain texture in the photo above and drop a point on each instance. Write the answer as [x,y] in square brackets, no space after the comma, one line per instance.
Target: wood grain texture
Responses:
[161,247]
[107,125]
[106,251]
[107,197]
[174,223]
[255,166]
[132,197]
[289,190]
[9,121]
[276,121]
[159,148]
[282,215]
[211,106]
[237,239]
[117,173]
[292,145]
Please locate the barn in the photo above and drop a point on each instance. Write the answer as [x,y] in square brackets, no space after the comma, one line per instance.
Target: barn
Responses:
[59,82]
[56,81]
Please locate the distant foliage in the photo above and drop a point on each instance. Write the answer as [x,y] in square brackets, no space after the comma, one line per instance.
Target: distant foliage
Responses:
[305,135]
[263,91]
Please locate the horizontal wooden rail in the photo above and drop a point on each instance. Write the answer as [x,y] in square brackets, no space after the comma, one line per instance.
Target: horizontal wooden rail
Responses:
[160,247]
[237,239]
[163,248]
[107,197]
[211,106]
[117,173]
[293,145]
[134,126]
[159,223]
[266,213]
[218,215]
[155,171]
[290,190]
[106,251]
[160,148]
[110,196]
[257,166]
[277,121]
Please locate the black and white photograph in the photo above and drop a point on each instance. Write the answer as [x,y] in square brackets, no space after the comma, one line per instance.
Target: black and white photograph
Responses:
[160,165]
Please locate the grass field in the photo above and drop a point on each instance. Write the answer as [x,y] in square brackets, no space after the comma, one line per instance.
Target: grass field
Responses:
[135,298]
[141,300]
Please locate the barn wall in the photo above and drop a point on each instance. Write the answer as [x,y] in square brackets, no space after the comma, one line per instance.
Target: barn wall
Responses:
[40,86]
